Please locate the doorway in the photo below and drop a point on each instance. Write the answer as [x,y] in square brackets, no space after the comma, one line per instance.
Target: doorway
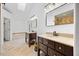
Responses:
[6,29]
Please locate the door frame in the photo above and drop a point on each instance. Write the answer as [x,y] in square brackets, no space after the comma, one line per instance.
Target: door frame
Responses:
[9,28]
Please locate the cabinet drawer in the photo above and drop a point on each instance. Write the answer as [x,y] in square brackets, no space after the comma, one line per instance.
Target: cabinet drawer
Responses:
[51,44]
[59,47]
[64,49]
[40,39]
[43,47]
[45,41]
[58,54]
[51,52]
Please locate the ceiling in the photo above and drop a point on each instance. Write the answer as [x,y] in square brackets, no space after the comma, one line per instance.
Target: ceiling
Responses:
[13,7]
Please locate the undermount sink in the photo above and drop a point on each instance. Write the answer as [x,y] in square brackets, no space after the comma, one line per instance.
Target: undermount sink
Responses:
[50,35]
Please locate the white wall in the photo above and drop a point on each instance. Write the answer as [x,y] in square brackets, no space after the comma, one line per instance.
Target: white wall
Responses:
[77,29]
[17,18]
[0,27]
[38,10]
[18,24]
[6,14]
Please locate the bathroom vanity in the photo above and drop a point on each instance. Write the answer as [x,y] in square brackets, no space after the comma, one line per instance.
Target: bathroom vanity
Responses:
[30,37]
[55,45]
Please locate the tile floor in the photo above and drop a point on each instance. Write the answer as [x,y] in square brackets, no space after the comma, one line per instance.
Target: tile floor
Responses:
[17,47]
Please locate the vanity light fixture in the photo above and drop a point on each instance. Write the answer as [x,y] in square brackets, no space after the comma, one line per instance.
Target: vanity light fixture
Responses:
[33,17]
[52,6]
[49,7]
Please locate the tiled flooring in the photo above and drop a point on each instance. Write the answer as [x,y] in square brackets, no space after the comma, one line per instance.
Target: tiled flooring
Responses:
[17,47]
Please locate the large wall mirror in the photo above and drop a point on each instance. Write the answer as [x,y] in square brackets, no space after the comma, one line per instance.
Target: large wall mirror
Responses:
[33,23]
[49,15]
[49,20]
[66,17]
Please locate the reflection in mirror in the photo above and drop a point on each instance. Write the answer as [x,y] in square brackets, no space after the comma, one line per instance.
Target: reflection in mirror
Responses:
[64,18]
[33,23]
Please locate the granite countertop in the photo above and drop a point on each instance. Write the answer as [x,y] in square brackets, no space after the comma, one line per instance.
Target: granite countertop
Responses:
[30,32]
[64,40]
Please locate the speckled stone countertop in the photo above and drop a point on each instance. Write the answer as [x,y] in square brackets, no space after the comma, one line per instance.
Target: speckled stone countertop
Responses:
[64,40]
[30,32]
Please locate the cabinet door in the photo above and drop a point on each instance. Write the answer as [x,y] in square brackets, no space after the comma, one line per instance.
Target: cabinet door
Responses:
[45,41]
[32,36]
[59,47]
[58,54]
[51,44]
[43,48]
[64,49]
[51,52]
[40,39]
[68,50]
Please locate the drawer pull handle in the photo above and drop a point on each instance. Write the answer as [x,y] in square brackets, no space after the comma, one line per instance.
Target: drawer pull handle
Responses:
[60,48]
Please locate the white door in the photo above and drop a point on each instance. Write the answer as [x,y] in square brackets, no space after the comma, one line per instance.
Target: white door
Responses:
[6,29]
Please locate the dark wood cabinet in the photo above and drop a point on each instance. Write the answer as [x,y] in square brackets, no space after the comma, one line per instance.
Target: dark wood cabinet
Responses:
[58,54]
[43,48]
[52,48]
[51,52]
[68,50]
[31,36]
[59,47]
[45,41]
[40,39]
[51,44]
[64,49]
